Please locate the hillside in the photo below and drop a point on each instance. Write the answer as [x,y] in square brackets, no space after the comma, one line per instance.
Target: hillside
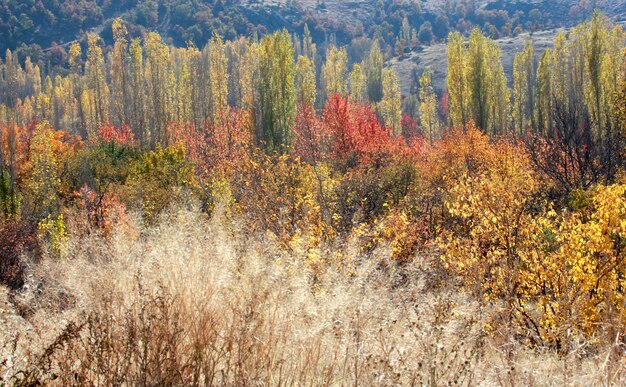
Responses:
[434,57]
[34,26]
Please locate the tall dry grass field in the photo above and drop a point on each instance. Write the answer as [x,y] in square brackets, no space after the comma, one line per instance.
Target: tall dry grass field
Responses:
[198,301]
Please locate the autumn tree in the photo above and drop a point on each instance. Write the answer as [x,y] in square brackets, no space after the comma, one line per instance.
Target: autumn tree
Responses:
[335,72]
[95,99]
[358,84]
[119,74]
[544,94]
[218,74]
[305,81]
[157,79]
[390,107]
[309,48]
[277,91]
[138,119]
[9,196]
[429,117]
[43,184]
[524,73]
[456,81]
[478,78]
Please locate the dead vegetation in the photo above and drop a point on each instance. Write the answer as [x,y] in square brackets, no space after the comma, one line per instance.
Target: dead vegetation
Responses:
[196,301]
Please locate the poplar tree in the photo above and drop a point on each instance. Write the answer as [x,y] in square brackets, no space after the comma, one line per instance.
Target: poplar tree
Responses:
[358,84]
[478,78]
[119,73]
[390,107]
[43,184]
[374,71]
[218,75]
[138,120]
[335,71]
[543,100]
[277,91]
[560,77]
[499,93]
[97,97]
[308,47]
[523,89]
[429,117]
[305,81]
[456,81]
[156,75]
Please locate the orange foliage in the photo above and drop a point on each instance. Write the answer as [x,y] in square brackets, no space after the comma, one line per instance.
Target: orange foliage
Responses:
[220,145]
[120,136]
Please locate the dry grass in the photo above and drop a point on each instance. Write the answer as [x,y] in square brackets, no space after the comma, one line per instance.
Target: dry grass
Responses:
[196,301]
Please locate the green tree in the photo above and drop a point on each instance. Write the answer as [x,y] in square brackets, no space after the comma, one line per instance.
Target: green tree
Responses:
[374,71]
[277,91]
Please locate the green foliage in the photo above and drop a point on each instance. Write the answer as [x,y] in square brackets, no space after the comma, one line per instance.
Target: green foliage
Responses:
[104,167]
[9,197]
[277,92]
[156,178]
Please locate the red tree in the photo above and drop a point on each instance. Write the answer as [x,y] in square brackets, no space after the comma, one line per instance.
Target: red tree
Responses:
[357,135]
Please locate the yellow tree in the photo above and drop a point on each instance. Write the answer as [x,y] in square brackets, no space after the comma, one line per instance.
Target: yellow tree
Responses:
[308,47]
[119,73]
[43,185]
[543,100]
[429,116]
[358,84]
[499,95]
[456,81]
[560,75]
[218,74]
[523,88]
[305,81]
[390,107]
[97,95]
[157,77]
[138,119]
[334,72]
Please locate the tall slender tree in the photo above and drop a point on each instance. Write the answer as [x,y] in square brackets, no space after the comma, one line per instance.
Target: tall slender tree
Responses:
[456,81]
[429,116]
[277,91]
